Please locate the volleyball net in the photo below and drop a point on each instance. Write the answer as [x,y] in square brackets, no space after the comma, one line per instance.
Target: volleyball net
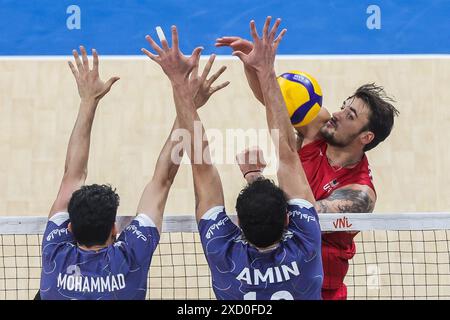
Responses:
[398,256]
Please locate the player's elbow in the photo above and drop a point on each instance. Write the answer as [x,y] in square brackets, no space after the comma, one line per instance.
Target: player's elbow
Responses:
[75,176]
[288,156]
[163,182]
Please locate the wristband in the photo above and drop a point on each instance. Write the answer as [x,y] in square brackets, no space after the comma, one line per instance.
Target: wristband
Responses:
[251,171]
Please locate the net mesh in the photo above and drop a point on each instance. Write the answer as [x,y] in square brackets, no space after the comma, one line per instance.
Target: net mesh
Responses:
[389,264]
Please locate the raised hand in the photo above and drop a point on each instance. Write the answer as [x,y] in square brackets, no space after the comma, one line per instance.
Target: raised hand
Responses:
[90,86]
[235,43]
[174,64]
[262,56]
[202,86]
[251,162]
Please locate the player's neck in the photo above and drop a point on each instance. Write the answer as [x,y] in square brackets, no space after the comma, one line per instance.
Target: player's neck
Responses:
[97,247]
[269,248]
[346,157]
[92,248]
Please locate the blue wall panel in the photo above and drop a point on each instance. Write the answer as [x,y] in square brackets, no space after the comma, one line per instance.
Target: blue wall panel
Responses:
[118,27]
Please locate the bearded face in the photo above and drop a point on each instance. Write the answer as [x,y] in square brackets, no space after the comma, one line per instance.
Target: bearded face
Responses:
[347,124]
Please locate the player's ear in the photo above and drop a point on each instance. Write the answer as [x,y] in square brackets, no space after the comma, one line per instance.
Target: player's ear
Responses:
[367,137]
[114,231]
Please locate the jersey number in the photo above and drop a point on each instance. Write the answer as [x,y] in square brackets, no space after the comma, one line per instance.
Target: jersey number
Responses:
[279,295]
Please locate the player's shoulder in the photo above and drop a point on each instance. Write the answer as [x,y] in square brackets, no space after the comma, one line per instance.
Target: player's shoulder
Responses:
[303,232]
[141,232]
[218,232]
[213,213]
[300,203]
[141,221]
[216,223]
[302,211]
[59,218]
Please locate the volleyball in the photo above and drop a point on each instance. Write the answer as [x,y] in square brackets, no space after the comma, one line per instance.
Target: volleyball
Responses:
[302,95]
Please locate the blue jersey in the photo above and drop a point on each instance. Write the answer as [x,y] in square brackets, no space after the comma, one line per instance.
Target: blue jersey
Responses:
[118,271]
[291,270]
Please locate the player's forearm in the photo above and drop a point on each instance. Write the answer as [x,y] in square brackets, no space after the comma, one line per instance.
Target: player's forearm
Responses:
[253,82]
[276,112]
[154,196]
[78,149]
[207,185]
[168,163]
[291,175]
[190,121]
[184,106]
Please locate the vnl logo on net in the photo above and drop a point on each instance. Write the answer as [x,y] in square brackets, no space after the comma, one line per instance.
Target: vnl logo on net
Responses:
[224,145]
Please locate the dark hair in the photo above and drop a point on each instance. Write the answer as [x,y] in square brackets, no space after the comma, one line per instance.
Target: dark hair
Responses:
[382,112]
[92,211]
[262,208]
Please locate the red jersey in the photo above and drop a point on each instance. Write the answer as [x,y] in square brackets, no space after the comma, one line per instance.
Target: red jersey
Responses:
[337,247]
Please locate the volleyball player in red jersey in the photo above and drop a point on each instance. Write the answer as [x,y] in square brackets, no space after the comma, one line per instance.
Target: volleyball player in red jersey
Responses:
[332,150]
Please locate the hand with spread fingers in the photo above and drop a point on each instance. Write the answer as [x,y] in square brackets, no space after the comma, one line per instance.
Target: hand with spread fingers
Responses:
[90,86]
[262,56]
[174,63]
[203,86]
[184,70]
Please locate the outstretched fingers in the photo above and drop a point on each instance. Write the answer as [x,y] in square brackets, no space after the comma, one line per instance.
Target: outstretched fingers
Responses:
[95,59]
[175,45]
[74,70]
[85,58]
[154,45]
[77,60]
[225,41]
[274,29]
[279,38]
[196,52]
[220,86]
[216,75]
[149,54]
[195,59]
[165,45]
[253,31]
[266,27]
[208,66]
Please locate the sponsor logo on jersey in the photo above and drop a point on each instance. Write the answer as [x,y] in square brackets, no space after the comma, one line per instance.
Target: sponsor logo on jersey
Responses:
[57,233]
[138,233]
[302,215]
[216,226]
